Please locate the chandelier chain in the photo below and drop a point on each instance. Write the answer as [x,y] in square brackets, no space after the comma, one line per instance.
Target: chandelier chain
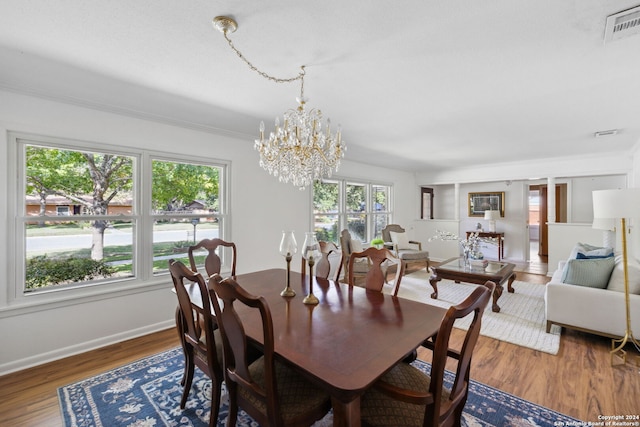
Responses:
[300,76]
[301,149]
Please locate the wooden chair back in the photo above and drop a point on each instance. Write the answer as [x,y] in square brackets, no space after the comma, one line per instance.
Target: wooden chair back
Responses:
[346,246]
[196,327]
[322,268]
[445,412]
[212,263]
[386,231]
[380,260]
[258,392]
[431,404]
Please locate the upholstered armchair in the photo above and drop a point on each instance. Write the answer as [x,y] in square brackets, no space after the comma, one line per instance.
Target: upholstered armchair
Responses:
[409,251]
[348,246]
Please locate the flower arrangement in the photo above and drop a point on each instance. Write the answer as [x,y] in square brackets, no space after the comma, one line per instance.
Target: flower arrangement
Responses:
[470,246]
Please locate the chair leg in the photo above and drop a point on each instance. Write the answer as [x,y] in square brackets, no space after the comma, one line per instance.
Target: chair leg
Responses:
[180,327]
[188,379]
[215,402]
[232,392]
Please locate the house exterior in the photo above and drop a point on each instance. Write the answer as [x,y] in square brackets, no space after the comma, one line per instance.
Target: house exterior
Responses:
[58,205]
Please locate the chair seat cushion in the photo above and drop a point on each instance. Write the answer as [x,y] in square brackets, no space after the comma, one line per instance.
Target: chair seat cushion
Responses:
[297,396]
[201,350]
[413,255]
[378,409]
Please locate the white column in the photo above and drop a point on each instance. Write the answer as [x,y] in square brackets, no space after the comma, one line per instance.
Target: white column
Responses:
[456,197]
[551,200]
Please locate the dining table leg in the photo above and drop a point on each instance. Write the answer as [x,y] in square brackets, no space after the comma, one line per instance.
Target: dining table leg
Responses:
[346,414]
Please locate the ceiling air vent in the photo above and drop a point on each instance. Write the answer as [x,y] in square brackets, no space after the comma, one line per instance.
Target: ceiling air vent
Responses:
[622,24]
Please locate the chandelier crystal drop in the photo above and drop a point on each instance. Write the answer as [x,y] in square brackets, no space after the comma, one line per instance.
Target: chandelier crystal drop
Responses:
[301,150]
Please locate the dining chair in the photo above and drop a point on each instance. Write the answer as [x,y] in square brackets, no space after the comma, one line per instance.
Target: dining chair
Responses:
[212,262]
[410,251]
[379,260]
[323,267]
[347,246]
[268,390]
[199,335]
[405,396]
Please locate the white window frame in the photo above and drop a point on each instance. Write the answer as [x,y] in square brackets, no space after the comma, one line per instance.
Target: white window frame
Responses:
[369,211]
[63,211]
[144,276]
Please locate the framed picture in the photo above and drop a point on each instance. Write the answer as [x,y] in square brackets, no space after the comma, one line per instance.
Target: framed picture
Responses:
[480,202]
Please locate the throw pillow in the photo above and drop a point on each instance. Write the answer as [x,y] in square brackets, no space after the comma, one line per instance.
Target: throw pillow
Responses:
[589,250]
[593,273]
[616,282]
[580,255]
[400,240]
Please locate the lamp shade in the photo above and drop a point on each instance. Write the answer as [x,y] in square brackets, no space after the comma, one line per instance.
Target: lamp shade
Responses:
[615,204]
[491,215]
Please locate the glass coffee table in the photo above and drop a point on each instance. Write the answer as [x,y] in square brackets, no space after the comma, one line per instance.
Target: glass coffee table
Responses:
[454,269]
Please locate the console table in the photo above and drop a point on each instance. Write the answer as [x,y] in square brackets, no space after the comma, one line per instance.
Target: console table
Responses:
[495,235]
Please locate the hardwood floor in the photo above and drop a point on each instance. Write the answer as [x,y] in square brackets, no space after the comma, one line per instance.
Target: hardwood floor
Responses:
[579,381]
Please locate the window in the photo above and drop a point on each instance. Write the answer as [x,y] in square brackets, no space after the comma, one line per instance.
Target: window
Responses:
[362,208]
[63,210]
[82,218]
[185,200]
[426,203]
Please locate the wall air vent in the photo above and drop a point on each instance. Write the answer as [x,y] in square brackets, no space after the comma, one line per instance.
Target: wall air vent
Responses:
[622,24]
[605,133]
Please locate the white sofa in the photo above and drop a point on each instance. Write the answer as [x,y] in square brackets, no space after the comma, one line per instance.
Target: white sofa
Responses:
[591,309]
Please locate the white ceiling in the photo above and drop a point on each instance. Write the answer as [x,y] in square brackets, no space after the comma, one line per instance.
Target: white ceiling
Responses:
[416,84]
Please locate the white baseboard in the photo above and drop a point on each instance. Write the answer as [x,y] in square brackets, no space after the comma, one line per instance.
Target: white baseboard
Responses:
[61,353]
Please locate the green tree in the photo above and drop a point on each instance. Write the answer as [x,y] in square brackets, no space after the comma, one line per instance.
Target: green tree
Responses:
[178,184]
[325,197]
[90,180]
[356,198]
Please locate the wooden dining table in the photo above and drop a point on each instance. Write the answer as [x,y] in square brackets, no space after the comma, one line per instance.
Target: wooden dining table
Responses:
[347,341]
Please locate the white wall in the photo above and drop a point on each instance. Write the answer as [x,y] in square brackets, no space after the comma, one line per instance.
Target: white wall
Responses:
[614,163]
[261,208]
[439,250]
[563,238]
[581,194]
[514,223]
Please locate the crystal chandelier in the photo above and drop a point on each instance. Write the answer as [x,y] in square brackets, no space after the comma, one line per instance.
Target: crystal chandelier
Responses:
[300,150]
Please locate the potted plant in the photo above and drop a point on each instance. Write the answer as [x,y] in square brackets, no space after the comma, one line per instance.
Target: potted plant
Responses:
[377,243]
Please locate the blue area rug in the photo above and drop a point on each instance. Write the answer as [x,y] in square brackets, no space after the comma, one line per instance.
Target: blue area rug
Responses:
[147,393]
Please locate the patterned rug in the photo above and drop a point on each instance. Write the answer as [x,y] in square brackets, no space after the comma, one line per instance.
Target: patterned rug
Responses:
[521,319]
[147,393]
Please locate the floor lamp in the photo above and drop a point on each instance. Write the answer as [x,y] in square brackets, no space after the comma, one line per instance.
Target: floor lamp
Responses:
[619,205]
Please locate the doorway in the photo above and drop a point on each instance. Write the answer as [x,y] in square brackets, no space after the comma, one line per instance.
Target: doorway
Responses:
[537,219]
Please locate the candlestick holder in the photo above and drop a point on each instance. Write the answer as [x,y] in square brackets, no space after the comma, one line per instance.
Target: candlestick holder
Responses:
[311,299]
[288,247]
[311,252]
